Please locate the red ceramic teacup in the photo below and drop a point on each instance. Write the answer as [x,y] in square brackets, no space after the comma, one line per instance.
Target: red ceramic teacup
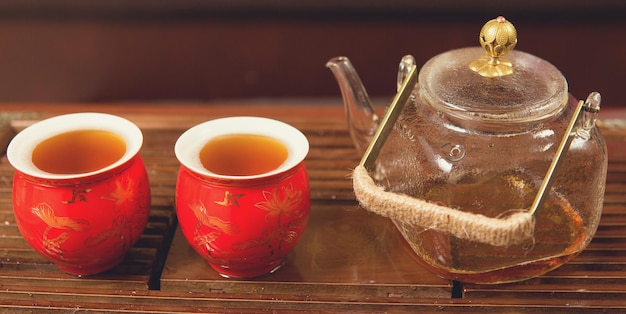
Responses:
[81,196]
[242,195]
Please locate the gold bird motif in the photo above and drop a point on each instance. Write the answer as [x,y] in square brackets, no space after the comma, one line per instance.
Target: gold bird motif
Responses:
[230,199]
[200,213]
[46,213]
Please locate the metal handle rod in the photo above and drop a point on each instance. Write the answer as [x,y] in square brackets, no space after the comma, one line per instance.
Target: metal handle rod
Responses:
[563,146]
[388,121]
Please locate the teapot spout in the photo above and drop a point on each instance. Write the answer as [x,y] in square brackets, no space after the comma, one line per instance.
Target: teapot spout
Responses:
[362,119]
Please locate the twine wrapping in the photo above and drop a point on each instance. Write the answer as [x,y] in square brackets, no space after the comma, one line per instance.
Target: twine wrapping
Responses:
[511,230]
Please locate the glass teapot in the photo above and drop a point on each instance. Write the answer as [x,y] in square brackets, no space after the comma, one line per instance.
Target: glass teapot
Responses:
[490,169]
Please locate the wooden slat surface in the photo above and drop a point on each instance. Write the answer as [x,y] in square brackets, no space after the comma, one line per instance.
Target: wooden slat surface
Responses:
[347,261]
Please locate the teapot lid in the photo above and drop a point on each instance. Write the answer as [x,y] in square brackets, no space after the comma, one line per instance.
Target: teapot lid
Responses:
[468,85]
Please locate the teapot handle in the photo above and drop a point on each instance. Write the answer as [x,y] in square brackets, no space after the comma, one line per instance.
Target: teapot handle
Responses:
[516,227]
[474,227]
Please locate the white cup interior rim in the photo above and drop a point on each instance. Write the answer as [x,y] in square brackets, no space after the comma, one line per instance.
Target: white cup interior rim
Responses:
[19,151]
[191,142]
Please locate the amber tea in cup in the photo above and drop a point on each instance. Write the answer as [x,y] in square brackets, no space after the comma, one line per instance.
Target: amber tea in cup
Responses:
[79,151]
[242,154]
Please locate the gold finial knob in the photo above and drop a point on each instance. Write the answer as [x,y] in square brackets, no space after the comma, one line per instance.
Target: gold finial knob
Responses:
[498,37]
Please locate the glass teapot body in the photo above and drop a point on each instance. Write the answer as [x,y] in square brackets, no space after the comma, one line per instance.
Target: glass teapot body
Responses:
[484,165]
[492,171]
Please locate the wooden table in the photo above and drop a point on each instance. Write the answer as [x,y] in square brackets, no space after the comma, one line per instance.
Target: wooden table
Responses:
[348,259]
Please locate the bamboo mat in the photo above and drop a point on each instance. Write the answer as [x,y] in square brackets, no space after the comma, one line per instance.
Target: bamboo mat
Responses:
[347,261]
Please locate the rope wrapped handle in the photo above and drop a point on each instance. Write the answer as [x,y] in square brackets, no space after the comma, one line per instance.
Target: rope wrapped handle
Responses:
[514,229]
[499,231]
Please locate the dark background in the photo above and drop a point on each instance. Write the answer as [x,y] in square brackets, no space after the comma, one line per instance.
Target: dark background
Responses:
[150,50]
